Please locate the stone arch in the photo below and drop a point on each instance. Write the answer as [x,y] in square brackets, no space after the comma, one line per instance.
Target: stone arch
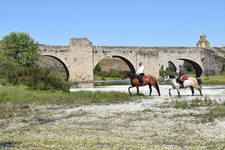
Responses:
[196,65]
[64,65]
[130,65]
[173,65]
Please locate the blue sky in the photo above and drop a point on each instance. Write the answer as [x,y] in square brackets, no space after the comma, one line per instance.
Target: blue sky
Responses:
[116,22]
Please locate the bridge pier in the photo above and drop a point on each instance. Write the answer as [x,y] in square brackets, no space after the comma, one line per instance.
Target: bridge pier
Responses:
[80,58]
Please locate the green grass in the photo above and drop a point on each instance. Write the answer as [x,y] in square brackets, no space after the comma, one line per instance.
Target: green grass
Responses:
[14,100]
[220,79]
[213,109]
[100,78]
[194,103]
[221,52]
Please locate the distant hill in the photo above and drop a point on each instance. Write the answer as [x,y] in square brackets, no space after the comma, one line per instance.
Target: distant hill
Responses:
[113,63]
[48,62]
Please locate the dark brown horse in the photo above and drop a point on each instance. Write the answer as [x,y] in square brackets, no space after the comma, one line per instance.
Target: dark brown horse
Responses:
[134,79]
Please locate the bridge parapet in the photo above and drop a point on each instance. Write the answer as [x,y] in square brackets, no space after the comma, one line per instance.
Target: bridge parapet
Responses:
[46,48]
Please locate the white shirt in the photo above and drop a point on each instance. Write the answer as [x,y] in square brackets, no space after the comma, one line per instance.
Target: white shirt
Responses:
[140,69]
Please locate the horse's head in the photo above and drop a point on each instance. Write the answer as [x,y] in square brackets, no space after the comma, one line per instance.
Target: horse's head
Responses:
[125,75]
[168,77]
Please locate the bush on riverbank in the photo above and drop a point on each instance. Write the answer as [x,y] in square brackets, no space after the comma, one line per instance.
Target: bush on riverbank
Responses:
[112,73]
[18,64]
[220,79]
[35,77]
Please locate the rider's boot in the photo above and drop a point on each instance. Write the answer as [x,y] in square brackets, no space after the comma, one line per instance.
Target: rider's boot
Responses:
[141,82]
[181,84]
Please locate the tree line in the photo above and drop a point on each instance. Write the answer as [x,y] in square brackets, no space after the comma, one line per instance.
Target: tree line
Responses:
[112,73]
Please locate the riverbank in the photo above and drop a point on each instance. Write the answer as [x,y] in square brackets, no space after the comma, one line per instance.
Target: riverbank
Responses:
[21,101]
[215,79]
[220,79]
[156,122]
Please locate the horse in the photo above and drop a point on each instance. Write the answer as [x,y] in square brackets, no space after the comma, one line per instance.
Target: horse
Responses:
[147,80]
[190,82]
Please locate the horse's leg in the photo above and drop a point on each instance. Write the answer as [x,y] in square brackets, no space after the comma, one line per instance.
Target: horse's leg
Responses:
[200,91]
[137,89]
[192,90]
[170,92]
[150,88]
[178,91]
[197,88]
[129,90]
[157,88]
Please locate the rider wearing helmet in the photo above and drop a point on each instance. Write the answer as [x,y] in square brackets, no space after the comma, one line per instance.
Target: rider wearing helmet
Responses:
[181,75]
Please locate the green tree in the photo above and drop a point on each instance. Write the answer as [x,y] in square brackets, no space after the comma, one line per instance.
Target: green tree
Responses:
[97,69]
[171,67]
[21,48]
[188,67]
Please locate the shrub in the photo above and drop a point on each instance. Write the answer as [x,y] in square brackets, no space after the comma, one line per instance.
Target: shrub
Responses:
[112,73]
[42,79]
[97,70]
[35,77]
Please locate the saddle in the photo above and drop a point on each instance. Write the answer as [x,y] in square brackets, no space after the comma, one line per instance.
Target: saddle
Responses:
[185,78]
[142,79]
[145,77]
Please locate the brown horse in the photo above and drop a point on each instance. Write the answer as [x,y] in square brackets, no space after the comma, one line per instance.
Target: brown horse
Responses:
[134,79]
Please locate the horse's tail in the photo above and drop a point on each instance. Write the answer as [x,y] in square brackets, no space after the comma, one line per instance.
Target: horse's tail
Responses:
[157,87]
[200,83]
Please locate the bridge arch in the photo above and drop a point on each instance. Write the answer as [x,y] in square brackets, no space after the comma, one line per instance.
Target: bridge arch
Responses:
[195,64]
[197,67]
[173,64]
[168,65]
[129,63]
[63,63]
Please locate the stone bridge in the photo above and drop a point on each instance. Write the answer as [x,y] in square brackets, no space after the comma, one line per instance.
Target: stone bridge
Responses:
[81,57]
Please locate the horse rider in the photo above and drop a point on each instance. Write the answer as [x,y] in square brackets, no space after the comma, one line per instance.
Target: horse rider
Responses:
[140,72]
[181,75]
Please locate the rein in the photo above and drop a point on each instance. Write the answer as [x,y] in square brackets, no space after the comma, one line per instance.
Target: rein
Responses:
[132,75]
[171,78]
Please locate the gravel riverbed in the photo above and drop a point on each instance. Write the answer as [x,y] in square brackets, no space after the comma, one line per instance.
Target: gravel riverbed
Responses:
[148,123]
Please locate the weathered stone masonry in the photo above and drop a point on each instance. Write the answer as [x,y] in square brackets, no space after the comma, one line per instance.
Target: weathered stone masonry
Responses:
[80,58]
